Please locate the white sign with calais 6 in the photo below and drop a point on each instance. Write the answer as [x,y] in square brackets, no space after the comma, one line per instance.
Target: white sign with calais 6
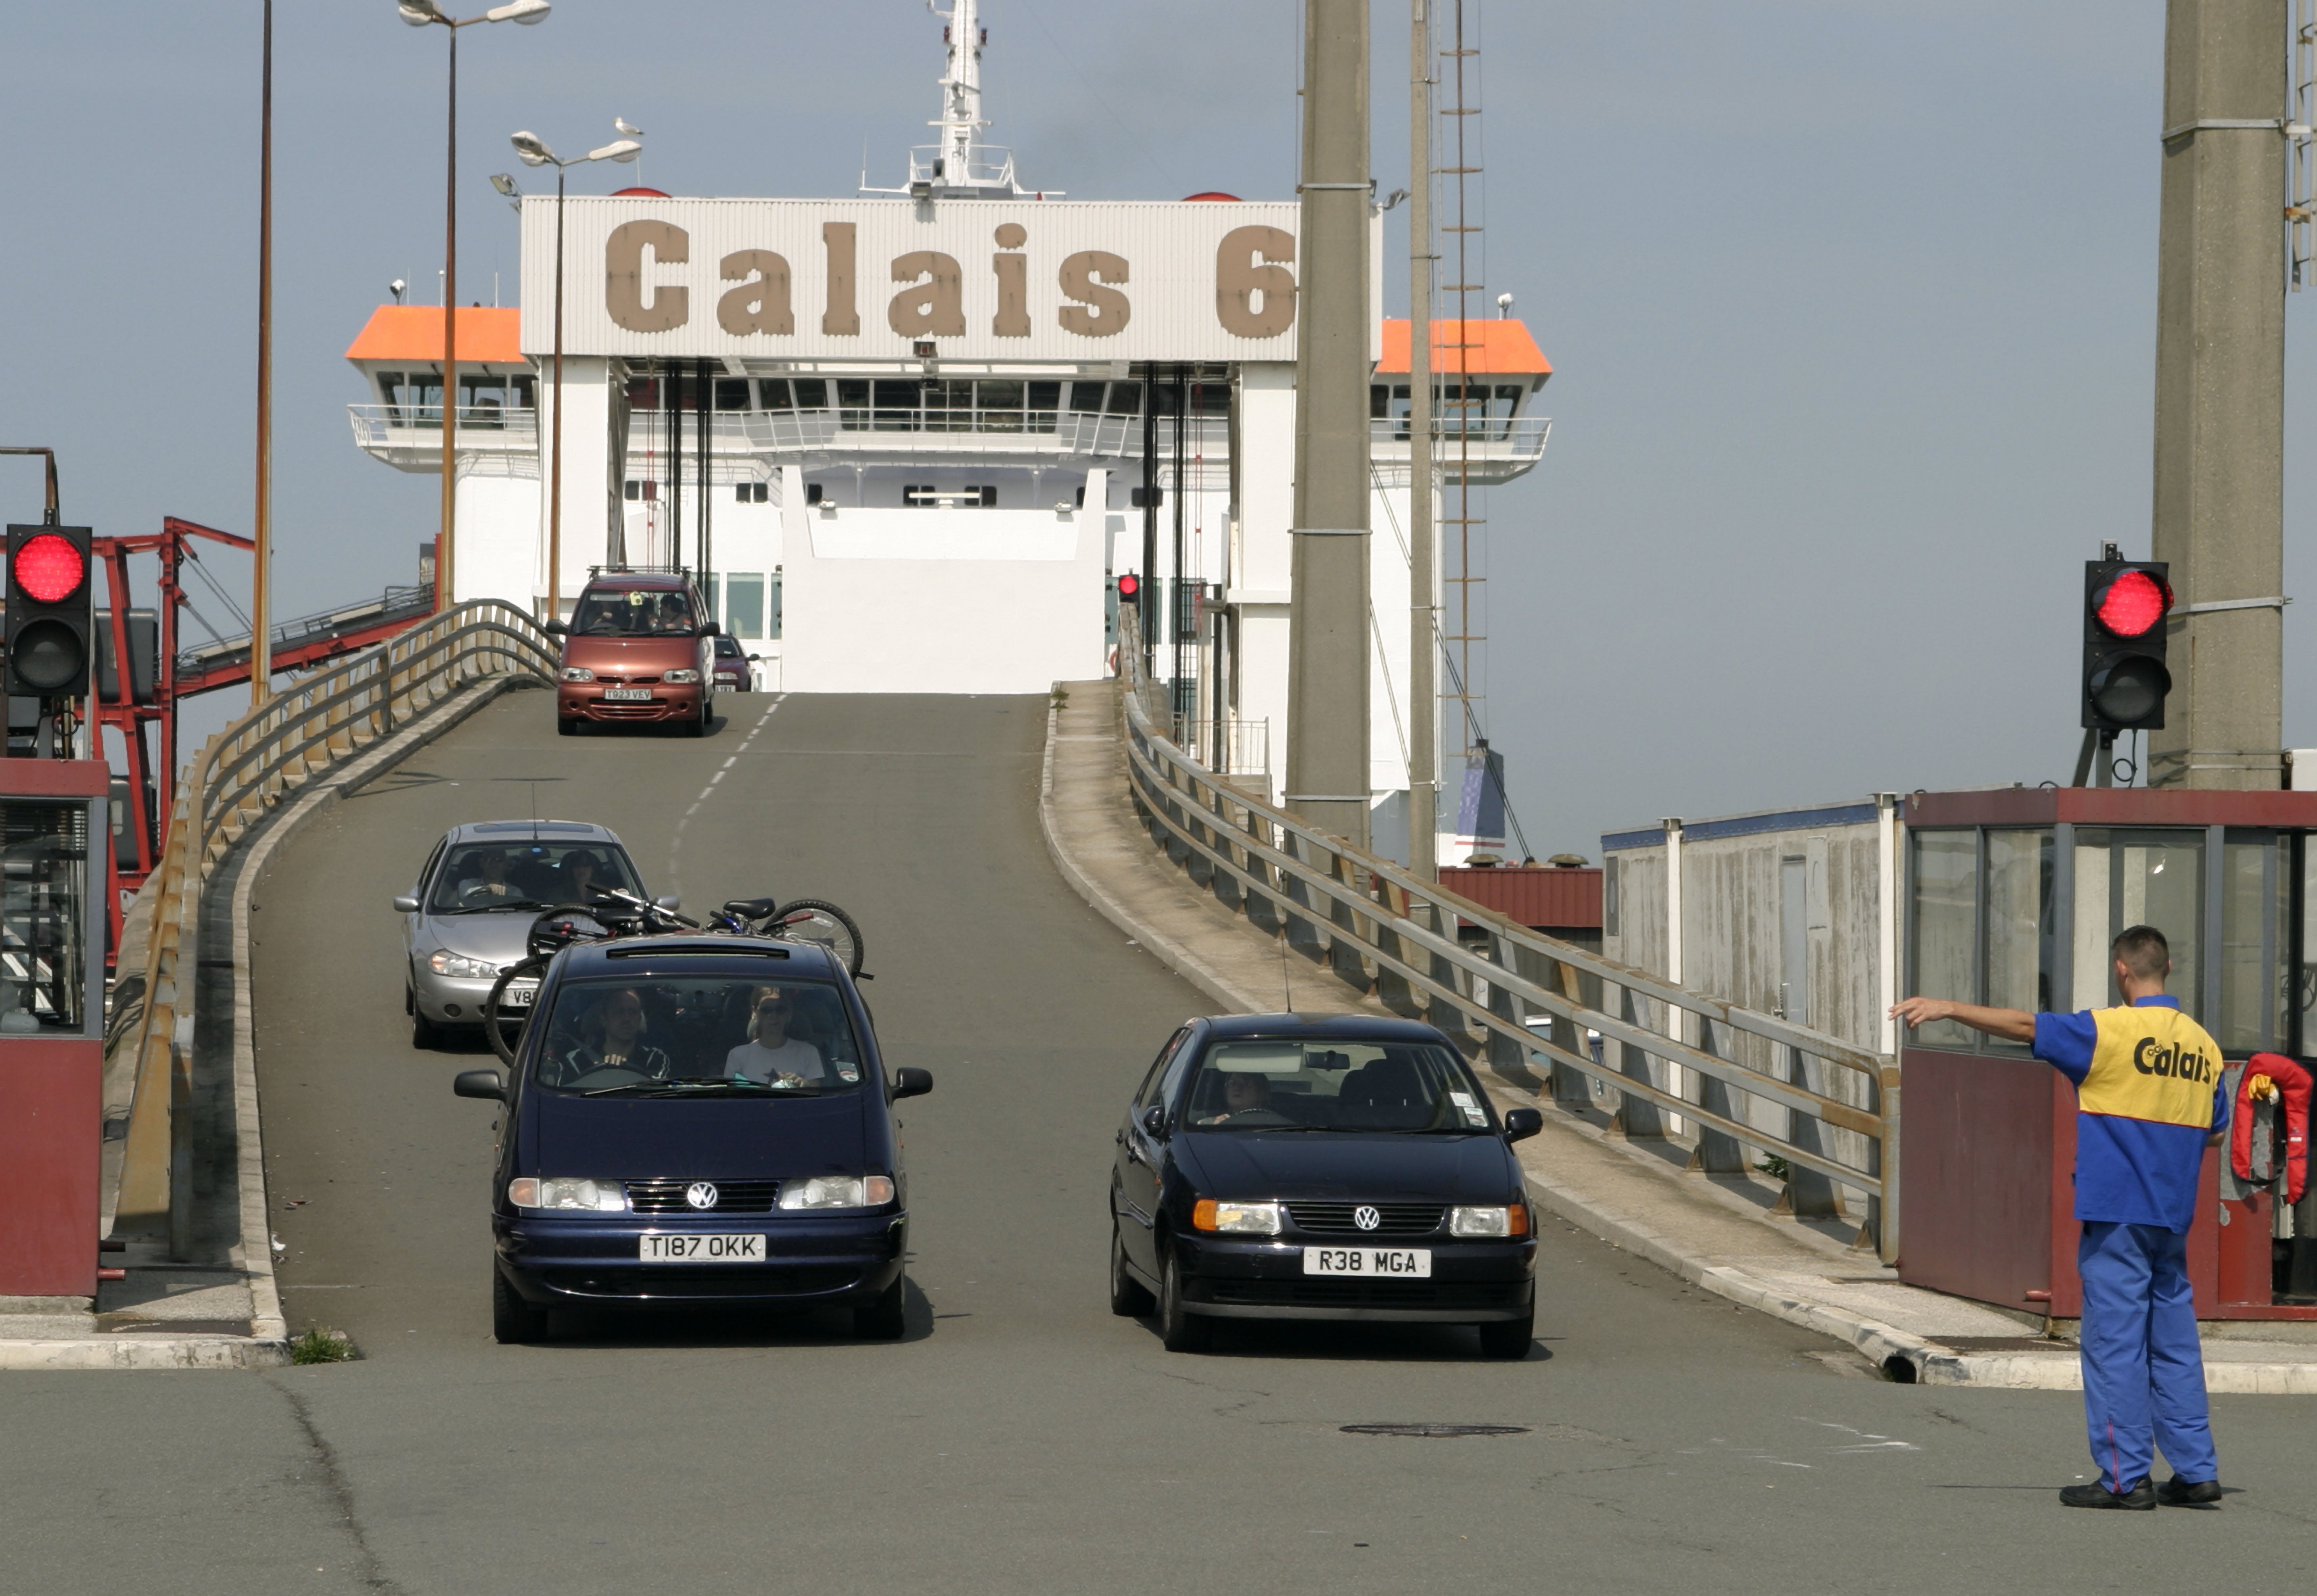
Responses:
[878,279]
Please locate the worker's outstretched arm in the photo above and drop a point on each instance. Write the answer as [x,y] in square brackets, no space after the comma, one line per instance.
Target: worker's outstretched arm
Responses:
[2013,1025]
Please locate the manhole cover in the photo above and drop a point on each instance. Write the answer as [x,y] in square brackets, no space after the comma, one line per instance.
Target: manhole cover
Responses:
[1431,1432]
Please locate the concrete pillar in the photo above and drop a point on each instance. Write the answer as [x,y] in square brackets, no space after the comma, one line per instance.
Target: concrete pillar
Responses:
[2220,392]
[1423,689]
[1327,628]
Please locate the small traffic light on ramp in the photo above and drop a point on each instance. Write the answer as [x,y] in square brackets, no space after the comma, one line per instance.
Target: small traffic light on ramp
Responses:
[48,611]
[2126,604]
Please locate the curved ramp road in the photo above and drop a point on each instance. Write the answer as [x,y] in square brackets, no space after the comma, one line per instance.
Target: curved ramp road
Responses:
[1020,1439]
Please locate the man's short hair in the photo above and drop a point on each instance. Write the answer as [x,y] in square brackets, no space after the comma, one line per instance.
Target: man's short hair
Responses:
[2144,950]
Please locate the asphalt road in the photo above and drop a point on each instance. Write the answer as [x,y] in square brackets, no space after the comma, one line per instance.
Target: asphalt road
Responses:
[1020,1439]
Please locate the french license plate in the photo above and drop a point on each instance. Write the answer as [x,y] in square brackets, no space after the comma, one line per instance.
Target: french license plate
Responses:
[519,993]
[700,1249]
[1404,1263]
[627,695]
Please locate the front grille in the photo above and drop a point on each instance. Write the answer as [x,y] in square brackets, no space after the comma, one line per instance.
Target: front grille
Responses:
[732,1197]
[681,1279]
[628,680]
[1335,1218]
[1480,1296]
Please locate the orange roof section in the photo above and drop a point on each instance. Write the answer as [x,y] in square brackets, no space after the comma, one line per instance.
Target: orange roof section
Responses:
[415,333]
[1499,347]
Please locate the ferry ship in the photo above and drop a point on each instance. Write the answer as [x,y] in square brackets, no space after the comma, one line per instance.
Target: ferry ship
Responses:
[912,441]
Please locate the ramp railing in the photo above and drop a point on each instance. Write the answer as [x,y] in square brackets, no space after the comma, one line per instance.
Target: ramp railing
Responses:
[259,763]
[1677,1063]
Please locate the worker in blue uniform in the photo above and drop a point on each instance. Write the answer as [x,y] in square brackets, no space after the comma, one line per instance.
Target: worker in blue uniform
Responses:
[2150,1096]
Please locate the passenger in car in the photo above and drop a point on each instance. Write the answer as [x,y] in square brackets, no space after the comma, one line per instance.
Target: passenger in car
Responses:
[582,875]
[771,1054]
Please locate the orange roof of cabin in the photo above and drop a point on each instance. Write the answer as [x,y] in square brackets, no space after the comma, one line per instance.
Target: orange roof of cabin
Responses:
[415,333]
[1502,346]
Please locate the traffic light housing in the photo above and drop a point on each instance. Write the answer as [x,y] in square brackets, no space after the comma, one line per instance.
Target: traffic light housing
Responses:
[2127,606]
[1128,585]
[49,612]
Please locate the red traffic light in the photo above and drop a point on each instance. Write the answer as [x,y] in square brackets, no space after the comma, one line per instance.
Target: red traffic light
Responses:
[1128,585]
[49,569]
[2131,604]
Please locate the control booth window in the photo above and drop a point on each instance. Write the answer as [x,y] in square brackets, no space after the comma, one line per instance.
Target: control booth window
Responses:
[744,604]
[44,884]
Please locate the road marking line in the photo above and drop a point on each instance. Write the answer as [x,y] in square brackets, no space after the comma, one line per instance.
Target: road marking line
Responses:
[676,842]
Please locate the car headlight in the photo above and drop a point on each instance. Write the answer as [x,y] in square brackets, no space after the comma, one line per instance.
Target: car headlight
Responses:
[1242,1219]
[568,1191]
[443,962]
[838,1191]
[1504,1221]
[679,678]
[577,674]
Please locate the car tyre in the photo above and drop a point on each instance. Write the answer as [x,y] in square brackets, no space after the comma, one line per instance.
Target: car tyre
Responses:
[1507,1339]
[1129,1298]
[513,1321]
[699,728]
[1179,1331]
[567,726]
[425,1036]
[882,1318]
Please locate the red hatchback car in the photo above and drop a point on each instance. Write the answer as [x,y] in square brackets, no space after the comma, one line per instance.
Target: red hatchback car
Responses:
[640,647]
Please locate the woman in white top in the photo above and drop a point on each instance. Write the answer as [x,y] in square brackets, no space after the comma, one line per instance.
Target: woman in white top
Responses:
[770,1054]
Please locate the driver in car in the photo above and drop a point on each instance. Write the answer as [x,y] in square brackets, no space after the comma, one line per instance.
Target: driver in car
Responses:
[492,883]
[616,1039]
[1247,1098]
[770,1055]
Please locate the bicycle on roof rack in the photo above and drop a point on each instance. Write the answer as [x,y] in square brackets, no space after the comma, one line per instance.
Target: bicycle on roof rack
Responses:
[616,914]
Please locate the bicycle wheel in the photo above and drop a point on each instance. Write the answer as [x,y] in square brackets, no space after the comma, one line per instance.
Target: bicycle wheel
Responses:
[493,1025]
[827,924]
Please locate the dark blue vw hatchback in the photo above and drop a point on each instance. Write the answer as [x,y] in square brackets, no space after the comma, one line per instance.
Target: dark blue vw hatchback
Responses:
[1293,1166]
[697,1121]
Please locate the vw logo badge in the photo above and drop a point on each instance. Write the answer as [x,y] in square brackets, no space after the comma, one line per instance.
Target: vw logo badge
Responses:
[1366,1217]
[699,1194]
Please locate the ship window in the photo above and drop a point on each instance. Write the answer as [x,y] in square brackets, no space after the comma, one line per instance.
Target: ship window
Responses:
[646,492]
[998,395]
[732,393]
[1045,396]
[913,497]
[985,498]
[1379,401]
[1086,397]
[1125,399]
[752,493]
[812,393]
[744,603]
[773,393]
[813,491]
[631,490]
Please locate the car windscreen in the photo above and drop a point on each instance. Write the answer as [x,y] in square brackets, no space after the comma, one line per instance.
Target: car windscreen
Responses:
[633,612]
[478,877]
[1257,1084]
[694,1036]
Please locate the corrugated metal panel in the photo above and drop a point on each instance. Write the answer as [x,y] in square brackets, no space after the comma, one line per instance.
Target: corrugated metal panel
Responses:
[1542,896]
[1170,289]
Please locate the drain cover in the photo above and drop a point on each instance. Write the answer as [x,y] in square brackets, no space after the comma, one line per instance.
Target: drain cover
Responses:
[1435,1430]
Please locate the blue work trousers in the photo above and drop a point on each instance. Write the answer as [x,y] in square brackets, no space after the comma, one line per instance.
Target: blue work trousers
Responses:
[2144,1371]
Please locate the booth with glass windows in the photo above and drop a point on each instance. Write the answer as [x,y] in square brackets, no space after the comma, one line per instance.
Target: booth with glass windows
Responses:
[2012,898]
[52,925]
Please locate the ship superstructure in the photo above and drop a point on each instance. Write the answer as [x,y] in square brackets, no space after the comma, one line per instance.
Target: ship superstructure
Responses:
[913,438]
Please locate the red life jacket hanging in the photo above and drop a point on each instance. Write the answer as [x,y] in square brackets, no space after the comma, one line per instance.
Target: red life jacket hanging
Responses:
[2268,1135]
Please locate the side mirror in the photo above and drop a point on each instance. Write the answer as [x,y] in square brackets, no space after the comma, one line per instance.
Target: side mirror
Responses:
[1520,1124]
[670,902]
[480,1082]
[709,629]
[555,629]
[910,1083]
[404,903]
[1154,1119]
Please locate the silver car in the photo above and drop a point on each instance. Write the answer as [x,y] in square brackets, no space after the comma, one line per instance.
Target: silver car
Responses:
[476,899]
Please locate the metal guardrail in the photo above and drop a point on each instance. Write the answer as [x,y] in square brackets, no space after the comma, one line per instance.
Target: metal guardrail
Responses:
[260,762]
[1384,931]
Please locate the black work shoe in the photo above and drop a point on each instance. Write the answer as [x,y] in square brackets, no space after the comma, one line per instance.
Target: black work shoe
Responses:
[2140,1498]
[2177,1492]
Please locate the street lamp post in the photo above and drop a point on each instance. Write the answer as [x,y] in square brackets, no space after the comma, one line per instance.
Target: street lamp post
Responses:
[422,13]
[261,596]
[533,151]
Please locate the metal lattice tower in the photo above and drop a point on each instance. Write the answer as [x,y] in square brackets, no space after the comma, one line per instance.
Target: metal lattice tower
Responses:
[1466,527]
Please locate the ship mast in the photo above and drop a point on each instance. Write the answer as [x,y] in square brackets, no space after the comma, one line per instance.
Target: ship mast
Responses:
[961,166]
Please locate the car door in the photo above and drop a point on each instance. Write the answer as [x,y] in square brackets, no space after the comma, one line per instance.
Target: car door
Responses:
[411,922]
[1134,1185]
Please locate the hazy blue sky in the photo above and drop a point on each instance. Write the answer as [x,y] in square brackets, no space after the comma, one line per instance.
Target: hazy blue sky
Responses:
[1851,303]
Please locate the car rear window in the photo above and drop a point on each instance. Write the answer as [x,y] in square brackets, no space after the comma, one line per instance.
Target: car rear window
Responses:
[633,612]
[654,1036]
[1250,1084]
